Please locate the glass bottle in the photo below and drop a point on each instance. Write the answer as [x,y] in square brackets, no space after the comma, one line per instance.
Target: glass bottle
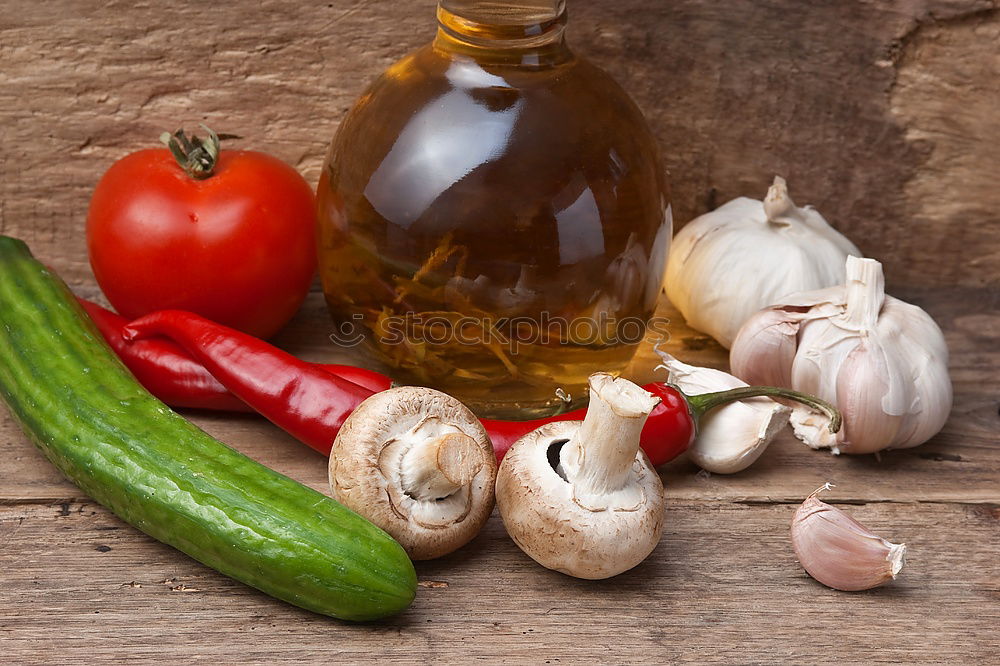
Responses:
[494,215]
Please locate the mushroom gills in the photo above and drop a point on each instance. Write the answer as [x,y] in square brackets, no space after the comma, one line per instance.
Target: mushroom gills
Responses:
[419,464]
[422,467]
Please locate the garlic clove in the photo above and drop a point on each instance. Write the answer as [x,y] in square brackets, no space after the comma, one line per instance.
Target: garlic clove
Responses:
[924,344]
[732,437]
[861,382]
[731,442]
[822,346]
[840,552]
[864,391]
[768,360]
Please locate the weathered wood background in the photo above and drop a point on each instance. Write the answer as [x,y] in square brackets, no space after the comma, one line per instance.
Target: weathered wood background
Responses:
[883,114]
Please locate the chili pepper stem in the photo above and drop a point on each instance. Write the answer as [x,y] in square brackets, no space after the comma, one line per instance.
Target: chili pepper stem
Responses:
[699,404]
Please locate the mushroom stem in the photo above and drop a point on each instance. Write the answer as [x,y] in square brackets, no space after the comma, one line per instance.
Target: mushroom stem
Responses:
[434,469]
[599,458]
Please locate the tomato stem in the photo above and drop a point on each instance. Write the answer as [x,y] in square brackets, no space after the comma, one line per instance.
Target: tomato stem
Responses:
[196,156]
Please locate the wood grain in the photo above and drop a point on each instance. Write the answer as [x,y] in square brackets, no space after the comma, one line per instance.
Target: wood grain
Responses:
[878,113]
[881,114]
[722,587]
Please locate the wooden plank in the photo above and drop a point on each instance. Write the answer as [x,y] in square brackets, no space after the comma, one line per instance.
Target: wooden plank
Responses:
[878,113]
[722,587]
[961,464]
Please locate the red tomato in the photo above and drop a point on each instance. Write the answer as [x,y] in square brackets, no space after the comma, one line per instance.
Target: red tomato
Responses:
[237,247]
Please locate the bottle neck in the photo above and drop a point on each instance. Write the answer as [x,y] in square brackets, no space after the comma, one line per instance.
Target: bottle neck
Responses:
[518,32]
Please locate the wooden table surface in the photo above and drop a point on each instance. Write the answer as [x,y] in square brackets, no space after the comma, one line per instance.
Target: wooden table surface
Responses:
[77,584]
[882,114]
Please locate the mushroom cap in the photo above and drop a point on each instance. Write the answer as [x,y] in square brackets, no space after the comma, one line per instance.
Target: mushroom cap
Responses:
[548,522]
[368,466]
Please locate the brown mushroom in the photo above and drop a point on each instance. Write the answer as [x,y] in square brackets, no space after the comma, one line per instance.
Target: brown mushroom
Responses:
[419,464]
[581,497]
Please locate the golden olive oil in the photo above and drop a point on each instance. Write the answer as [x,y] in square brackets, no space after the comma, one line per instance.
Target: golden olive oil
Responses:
[493,215]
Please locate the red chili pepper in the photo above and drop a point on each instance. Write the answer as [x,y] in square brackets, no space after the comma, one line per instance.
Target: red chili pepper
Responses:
[168,371]
[672,425]
[308,403]
[369,379]
[311,404]
[668,432]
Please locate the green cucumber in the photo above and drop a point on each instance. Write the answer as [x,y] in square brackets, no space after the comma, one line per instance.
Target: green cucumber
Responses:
[168,478]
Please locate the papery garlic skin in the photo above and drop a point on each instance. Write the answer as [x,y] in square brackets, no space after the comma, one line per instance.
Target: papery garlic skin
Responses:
[727,264]
[732,437]
[881,361]
[840,552]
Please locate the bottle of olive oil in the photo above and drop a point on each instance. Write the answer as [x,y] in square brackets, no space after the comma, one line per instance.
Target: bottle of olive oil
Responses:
[493,213]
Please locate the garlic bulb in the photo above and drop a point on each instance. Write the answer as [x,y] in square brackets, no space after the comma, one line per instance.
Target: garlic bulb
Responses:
[840,552]
[881,361]
[731,437]
[728,264]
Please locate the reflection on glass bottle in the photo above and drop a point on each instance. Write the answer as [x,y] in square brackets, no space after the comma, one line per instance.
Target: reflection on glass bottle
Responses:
[492,208]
